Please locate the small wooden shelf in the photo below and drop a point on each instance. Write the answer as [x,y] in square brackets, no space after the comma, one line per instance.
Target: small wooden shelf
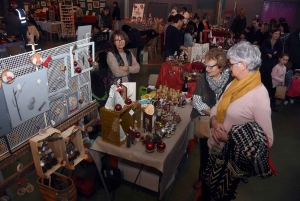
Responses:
[67,17]
[56,147]
[78,142]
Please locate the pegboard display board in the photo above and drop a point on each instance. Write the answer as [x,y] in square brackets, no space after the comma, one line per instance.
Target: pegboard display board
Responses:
[58,80]
[60,83]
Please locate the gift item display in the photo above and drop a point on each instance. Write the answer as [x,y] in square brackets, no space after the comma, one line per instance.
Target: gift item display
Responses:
[74,149]
[47,151]
[119,114]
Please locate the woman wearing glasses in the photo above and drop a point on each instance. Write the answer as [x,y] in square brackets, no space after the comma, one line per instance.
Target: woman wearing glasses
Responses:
[210,86]
[244,100]
[121,61]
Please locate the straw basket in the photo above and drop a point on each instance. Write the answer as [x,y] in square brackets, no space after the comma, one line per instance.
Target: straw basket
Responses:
[110,122]
[51,194]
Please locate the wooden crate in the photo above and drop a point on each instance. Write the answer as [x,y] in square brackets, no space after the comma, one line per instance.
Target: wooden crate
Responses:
[75,135]
[56,147]
[110,122]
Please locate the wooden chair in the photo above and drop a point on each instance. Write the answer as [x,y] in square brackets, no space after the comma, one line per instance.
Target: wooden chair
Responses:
[54,30]
[152,46]
[15,50]
[134,51]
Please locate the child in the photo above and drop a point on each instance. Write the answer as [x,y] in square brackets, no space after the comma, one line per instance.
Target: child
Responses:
[242,36]
[278,76]
[294,90]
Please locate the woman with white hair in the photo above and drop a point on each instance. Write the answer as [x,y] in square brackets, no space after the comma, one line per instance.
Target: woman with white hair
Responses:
[245,100]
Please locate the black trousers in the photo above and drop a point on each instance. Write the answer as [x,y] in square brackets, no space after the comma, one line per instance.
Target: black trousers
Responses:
[205,196]
[272,96]
[24,34]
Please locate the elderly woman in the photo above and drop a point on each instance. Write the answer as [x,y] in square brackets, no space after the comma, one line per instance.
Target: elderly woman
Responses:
[210,86]
[245,100]
[121,61]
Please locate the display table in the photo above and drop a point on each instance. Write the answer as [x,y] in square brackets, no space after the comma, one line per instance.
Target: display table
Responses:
[166,162]
[174,80]
[86,19]
[3,52]
[220,33]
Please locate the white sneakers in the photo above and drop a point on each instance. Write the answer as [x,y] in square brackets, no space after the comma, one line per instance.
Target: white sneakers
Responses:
[291,101]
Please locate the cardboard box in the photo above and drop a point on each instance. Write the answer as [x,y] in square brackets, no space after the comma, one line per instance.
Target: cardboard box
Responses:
[148,178]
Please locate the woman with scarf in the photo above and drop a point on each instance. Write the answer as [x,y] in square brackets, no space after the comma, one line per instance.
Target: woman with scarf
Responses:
[245,100]
[210,86]
[121,61]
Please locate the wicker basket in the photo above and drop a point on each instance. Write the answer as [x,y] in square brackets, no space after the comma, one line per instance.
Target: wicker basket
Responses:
[110,121]
[51,194]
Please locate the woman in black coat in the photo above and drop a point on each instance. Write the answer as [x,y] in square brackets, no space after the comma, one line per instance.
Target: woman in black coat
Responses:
[273,47]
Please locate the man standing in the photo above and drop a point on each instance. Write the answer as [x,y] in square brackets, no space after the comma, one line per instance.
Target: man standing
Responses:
[79,14]
[253,36]
[22,16]
[174,37]
[116,15]
[239,23]
[12,23]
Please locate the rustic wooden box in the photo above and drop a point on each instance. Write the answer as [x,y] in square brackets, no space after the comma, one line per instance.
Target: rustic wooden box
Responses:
[56,147]
[75,135]
[110,121]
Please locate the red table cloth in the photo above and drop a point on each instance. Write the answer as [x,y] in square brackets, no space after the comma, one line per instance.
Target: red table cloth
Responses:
[173,80]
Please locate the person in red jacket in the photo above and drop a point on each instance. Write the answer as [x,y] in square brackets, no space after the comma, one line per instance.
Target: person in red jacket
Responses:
[294,90]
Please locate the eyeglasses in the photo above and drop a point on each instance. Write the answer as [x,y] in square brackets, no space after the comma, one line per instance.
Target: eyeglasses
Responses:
[230,64]
[210,67]
[120,40]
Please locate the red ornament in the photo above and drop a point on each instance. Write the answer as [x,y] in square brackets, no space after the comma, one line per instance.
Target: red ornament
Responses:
[160,147]
[78,70]
[137,134]
[90,59]
[128,101]
[150,146]
[75,63]
[80,101]
[118,107]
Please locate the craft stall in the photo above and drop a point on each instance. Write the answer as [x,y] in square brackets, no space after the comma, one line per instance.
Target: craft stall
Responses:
[49,111]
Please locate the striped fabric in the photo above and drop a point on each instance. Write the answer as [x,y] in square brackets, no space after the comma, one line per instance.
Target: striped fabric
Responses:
[199,105]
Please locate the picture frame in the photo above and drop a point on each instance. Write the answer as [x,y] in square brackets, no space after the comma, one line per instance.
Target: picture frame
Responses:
[43,3]
[58,109]
[84,95]
[82,4]
[96,4]
[72,102]
[102,4]
[48,4]
[90,6]
[58,79]
[81,57]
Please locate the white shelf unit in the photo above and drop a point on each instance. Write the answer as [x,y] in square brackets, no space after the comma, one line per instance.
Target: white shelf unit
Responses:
[67,20]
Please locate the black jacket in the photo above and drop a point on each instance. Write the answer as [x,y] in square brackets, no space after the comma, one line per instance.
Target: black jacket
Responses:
[116,13]
[200,29]
[238,25]
[254,36]
[174,39]
[207,94]
[292,46]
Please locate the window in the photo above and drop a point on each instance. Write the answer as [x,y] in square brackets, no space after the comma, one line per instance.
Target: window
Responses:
[277,10]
